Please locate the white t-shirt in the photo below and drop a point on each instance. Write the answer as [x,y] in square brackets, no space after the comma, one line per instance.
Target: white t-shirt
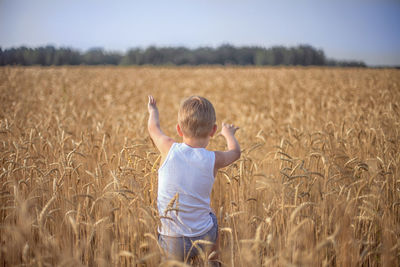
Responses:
[190,173]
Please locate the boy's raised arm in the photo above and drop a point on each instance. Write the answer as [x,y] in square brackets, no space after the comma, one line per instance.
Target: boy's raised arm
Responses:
[224,158]
[162,141]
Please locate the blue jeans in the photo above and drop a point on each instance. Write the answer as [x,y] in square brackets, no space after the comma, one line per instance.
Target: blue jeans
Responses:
[180,248]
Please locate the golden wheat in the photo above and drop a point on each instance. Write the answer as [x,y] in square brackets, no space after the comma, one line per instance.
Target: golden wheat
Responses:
[317,184]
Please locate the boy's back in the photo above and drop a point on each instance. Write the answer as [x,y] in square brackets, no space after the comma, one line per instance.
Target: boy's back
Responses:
[188,174]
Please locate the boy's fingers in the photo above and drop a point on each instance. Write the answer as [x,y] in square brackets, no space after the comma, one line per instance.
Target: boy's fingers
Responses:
[230,126]
[152,101]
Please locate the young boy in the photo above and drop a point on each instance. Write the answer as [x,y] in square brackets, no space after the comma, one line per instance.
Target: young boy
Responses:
[186,176]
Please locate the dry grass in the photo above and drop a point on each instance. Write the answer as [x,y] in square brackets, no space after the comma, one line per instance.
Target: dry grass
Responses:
[317,184]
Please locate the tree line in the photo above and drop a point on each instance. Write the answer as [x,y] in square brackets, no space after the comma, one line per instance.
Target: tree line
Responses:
[303,55]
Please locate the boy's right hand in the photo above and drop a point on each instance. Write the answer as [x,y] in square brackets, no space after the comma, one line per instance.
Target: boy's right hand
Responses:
[152,105]
[228,129]
[162,141]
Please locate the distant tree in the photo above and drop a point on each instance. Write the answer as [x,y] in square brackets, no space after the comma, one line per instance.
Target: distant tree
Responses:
[50,52]
[261,57]
[112,58]
[246,55]
[134,56]
[94,56]
[205,55]
[183,56]
[66,56]
[152,56]
[226,54]
[288,56]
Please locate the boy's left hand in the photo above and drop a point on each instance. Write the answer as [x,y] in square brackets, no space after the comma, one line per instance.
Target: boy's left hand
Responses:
[228,129]
[152,105]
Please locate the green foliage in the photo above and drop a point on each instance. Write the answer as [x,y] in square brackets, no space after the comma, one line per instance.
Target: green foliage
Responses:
[304,55]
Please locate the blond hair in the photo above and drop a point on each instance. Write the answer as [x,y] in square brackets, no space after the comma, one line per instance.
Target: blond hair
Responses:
[196,117]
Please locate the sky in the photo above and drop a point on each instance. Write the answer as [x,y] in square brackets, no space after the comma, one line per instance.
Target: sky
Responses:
[366,30]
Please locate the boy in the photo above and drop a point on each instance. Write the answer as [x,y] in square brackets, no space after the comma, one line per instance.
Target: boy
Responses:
[186,176]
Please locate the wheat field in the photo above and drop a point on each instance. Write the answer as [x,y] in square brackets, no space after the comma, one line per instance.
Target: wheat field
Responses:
[317,183]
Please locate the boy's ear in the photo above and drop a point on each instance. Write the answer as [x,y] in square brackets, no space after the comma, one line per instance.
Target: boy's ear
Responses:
[179,130]
[214,130]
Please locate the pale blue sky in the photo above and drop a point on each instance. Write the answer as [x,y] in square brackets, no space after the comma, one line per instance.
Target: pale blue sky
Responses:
[367,30]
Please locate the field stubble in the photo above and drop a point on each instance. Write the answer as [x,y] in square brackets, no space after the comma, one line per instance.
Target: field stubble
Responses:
[317,184]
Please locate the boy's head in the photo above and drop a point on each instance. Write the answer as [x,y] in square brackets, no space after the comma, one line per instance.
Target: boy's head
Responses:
[196,117]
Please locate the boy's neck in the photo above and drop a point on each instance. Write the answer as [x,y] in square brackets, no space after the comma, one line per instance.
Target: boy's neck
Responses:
[196,142]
